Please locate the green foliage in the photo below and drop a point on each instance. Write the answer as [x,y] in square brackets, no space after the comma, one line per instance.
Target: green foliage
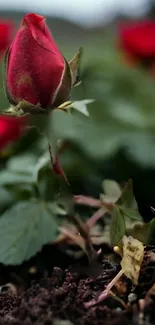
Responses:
[126,198]
[117,229]
[112,189]
[120,116]
[140,231]
[130,213]
[121,207]
[25,228]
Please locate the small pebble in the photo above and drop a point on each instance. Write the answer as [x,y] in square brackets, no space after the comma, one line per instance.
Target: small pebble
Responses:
[32,270]
[132,297]
[118,310]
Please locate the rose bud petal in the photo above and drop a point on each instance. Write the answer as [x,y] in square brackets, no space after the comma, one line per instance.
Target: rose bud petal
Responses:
[6,35]
[11,128]
[36,71]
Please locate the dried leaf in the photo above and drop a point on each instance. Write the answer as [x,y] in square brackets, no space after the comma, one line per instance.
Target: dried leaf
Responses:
[133,253]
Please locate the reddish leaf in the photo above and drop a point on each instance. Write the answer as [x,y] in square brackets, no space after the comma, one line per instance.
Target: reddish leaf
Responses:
[56,165]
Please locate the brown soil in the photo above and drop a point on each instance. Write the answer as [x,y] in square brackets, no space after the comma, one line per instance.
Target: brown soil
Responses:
[60,295]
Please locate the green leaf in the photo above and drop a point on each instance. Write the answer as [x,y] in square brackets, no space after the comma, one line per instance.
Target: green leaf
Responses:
[82,131]
[127,197]
[118,119]
[139,231]
[130,213]
[22,163]
[42,163]
[151,233]
[111,188]
[117,228]
[19,170]
[25,228]
[5,198]
[10,178]
[112,191]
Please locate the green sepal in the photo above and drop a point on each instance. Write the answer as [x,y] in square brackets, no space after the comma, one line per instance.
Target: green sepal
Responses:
[24,107]
[27,107]
[63,91]
[6,90]
[75,67]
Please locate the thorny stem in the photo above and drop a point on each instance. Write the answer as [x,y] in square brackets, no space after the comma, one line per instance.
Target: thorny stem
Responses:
[82,239]
[82,228]
[75,238]
[105,293]
[84,232]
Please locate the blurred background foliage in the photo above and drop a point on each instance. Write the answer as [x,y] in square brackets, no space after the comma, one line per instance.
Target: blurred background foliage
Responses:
[116,142]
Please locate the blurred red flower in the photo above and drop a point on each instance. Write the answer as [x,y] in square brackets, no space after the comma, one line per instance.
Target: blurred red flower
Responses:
[6,35]
[11,128]
[137,40]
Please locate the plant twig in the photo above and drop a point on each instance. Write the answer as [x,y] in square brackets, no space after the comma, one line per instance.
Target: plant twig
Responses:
[77,239]
[95,217]
[105,293]
[84,232]
[81,238]
[89,201]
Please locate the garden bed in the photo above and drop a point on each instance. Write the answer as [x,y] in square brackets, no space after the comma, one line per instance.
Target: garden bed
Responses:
[41,293]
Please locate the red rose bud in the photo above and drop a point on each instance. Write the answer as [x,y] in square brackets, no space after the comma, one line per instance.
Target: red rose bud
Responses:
[36,70]
[137,40]
[6,35]
[11,128]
